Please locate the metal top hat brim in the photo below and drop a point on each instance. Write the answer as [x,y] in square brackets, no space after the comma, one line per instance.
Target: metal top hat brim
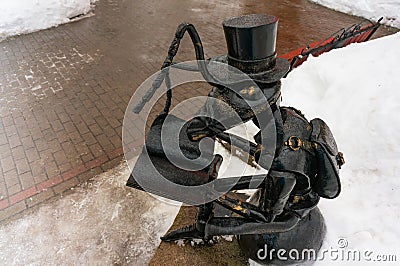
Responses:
[225,74]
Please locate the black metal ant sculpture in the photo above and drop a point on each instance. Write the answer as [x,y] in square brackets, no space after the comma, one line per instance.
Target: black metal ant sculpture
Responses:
[303,166]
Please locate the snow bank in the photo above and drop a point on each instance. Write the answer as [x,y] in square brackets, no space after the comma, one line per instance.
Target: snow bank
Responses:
[388,9]
[24,16]
[356,91]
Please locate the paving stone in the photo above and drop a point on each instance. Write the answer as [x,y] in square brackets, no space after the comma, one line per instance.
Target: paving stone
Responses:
[27,180]
[22,166]
[40,197]
[51,169]
[7,164]
[3,190]
[14,189]
[5,151]
[12,210]
[111,164]
[18,153]
[3,139]
[27,142]
[32,155]
[60,188]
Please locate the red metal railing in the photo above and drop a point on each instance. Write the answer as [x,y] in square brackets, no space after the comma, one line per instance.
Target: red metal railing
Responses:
[354,34]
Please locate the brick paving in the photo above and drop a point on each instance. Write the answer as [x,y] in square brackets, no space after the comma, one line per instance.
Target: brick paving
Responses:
[63,91]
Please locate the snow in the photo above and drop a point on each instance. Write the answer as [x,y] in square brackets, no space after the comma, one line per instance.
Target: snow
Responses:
[232,165]
[370,9]
[24,16]
[356,91]
[101,222]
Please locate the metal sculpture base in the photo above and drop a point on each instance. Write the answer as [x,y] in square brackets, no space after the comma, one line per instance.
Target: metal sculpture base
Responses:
[298,245]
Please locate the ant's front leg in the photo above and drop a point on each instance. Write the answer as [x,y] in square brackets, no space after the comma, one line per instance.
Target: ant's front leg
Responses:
[195,230]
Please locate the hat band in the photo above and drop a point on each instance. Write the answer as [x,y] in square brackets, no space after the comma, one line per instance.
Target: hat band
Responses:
[253,66]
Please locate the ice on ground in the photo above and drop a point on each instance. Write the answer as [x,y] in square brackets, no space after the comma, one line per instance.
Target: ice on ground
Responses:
[388,9]
[102,222]
[24,16]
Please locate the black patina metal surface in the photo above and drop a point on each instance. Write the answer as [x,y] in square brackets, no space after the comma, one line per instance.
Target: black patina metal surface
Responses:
[282,214]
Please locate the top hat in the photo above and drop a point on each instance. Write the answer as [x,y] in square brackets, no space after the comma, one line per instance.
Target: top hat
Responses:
[251,42]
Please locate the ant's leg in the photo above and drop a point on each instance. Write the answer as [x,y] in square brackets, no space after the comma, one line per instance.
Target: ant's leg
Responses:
[204,213]
[192,231]
[276,192]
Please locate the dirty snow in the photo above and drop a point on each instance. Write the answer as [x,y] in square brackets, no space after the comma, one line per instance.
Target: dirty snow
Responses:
[102,222]
[370,9]
[24,16]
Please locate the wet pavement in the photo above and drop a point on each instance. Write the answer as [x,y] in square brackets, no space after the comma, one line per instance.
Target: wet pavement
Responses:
[63,91]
